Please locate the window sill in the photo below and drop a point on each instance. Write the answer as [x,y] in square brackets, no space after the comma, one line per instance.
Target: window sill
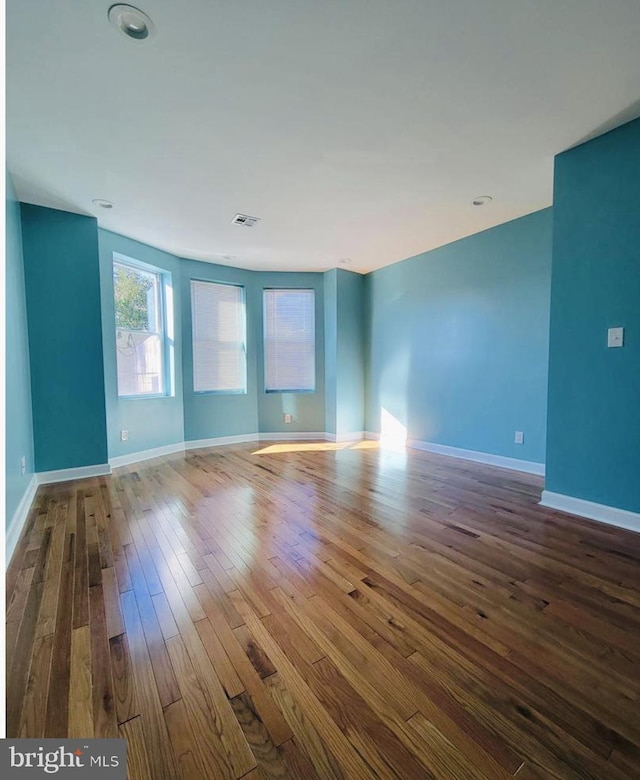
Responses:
[219,392]
[297,392]
[146,397]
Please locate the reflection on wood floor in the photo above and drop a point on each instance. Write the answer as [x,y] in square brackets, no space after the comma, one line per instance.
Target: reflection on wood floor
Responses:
[276,611]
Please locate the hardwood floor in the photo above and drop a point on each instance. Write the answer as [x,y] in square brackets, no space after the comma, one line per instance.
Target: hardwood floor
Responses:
[326,611]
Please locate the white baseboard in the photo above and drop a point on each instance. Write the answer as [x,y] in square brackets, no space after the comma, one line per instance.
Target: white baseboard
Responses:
[621,518]
[80,472]
[345,437]
[294,436]
[17,523]
[514,464]
[155,452]
[219,441]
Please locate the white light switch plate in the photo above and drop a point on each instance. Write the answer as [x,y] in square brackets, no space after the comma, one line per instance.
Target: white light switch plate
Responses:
[615,337]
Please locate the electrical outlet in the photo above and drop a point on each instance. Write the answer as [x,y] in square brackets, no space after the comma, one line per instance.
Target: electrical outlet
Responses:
[519,439]
[615,337]
[124,435]
[288,418]
[23,465]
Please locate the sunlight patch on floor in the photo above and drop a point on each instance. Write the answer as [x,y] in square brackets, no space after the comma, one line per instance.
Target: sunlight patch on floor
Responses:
[365,445]
[316,446]
[308,446]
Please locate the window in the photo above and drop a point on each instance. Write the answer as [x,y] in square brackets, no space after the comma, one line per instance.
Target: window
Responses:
[218,331]
[140,334]
[289,341]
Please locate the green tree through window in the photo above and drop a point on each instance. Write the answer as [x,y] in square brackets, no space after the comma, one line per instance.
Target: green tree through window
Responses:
[131,290]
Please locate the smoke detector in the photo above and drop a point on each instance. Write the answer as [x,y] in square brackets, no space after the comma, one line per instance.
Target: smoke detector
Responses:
[482,200]
[244,219]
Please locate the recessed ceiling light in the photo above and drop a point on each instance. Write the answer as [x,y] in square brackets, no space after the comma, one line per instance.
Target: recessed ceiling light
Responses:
[132,22]
[345,261]
[104,204]
[481,200]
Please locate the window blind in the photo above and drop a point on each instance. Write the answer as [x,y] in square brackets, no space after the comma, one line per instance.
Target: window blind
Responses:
[289,340]
[219,341]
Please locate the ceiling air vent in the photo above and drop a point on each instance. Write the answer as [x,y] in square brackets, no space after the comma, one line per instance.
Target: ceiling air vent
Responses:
[244,219]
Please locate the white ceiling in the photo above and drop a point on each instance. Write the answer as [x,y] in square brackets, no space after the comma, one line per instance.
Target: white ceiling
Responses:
[355,129]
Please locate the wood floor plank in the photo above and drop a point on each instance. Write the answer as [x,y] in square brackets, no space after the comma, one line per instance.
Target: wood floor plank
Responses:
[49,605]
[299,765]
[326,611]
[80,687]
[165,678]
[93,556]
[21,662]
[271,716]
[331,764]
[102,515]
[21,589]
[221,598]
[104,709]
[221,662]
[259,659]
[229,731]
[338,650]
[442,756]
[272,760]
[111,594]
[138,763]
[57,717]
[189,763]
[278,623]
[17,559]
[209,731]
[154,728]
[35,701]
[291,693]
[375,742]
[124,689]
[165,617]
[81,563]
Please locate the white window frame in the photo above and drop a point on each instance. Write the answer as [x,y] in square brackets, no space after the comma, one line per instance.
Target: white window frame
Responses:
[164,324]
[242,343]
[265,340]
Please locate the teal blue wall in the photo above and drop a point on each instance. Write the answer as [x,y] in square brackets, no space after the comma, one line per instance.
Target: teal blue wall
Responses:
[331,350]
[65,338]
[307,408]
[215,414]
[345,338]
[350,341]
[458,341]
[19,423]
[593,442]
[151,422]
